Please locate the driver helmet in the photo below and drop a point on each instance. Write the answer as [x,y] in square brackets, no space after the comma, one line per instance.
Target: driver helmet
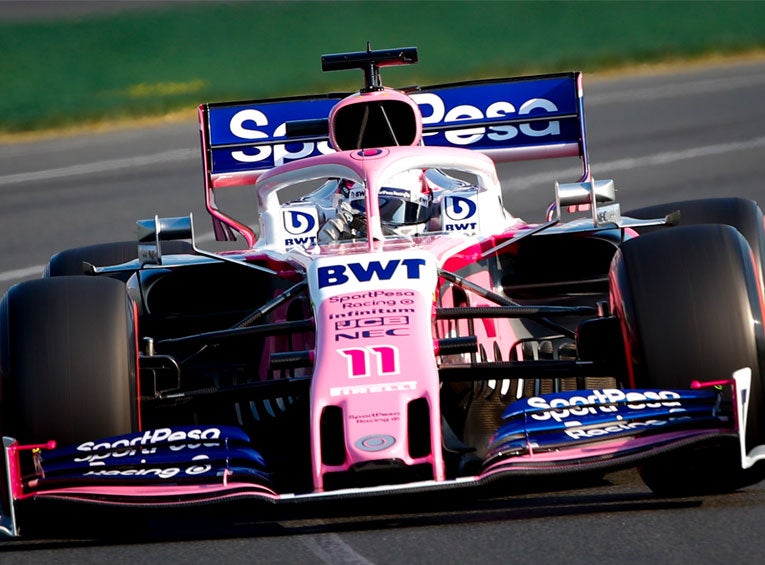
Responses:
[405,201]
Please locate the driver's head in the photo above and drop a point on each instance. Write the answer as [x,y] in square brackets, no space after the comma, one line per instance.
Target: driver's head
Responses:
[405,200]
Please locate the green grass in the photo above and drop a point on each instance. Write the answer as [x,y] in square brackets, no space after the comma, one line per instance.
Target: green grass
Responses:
[58,73]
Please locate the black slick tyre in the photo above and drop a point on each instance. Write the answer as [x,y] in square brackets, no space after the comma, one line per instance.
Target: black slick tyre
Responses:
[71,261]
[741,213]
[68,360]
[690,309]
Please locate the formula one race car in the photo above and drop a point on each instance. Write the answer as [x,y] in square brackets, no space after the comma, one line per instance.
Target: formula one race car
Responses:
[389,327]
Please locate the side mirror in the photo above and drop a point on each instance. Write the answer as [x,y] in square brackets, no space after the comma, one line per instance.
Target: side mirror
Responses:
[575,193]
[585,196]
[152,232]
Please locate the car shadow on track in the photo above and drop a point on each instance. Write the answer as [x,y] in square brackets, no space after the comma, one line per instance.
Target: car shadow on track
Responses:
[56,527]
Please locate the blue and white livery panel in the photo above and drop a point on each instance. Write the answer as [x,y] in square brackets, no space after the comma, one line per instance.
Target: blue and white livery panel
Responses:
[508,119]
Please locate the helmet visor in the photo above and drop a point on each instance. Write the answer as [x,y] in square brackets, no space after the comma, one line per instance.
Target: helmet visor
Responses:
[397,212]
[399,207]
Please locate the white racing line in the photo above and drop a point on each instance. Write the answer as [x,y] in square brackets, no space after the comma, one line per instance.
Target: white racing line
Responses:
[37,270]
[108,165]
[330,548]
[657,159]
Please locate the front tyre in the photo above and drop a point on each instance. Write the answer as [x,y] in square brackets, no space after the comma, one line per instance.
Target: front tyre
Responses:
[68,360]
[689,305]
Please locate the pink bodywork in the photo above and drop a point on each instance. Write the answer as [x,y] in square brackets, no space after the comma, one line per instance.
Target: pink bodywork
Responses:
[375,347]
[373,376]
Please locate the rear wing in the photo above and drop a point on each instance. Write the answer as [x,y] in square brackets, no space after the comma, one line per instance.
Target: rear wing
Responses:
[511,119]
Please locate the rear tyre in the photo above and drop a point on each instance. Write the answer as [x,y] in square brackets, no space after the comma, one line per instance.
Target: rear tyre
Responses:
[70,262]
[689,304]
[743,214]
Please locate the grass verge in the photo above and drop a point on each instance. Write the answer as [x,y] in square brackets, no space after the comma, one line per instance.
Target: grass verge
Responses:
[133,64]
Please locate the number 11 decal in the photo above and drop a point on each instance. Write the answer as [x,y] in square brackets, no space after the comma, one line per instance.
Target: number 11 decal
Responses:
[360,363]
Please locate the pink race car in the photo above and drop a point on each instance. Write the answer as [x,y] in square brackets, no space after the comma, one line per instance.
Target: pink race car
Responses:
[389,326]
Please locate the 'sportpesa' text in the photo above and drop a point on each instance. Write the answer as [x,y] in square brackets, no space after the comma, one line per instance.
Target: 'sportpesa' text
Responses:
[601,401]
[253,124]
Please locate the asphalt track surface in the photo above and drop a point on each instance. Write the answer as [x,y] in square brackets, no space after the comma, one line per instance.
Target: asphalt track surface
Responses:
[662,136]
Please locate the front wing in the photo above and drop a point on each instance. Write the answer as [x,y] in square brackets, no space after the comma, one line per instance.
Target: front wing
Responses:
[553,434]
